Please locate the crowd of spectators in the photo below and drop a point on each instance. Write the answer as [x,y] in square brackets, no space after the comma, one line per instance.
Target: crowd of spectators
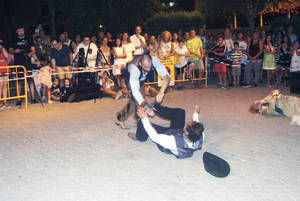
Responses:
[239,58]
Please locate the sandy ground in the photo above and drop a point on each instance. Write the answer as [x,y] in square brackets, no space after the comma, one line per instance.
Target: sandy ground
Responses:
[67,152]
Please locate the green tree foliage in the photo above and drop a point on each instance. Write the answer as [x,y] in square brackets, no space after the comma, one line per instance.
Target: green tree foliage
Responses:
[249,8]
[114,15]
[173,21]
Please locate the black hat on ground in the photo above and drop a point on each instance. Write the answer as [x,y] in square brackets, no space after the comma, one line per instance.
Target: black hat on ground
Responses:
[215,165]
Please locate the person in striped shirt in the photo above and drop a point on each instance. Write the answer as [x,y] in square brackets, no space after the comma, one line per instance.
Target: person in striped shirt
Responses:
[236,58]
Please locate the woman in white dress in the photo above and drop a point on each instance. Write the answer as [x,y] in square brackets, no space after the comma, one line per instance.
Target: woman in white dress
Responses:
[129,47]
[120,60]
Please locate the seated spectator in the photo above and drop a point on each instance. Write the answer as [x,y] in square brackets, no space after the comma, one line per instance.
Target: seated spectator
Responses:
[55,90]
[107,86]
[67,92]
[182,54]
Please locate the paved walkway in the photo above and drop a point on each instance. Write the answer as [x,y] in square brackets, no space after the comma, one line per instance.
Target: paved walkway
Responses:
[74,152]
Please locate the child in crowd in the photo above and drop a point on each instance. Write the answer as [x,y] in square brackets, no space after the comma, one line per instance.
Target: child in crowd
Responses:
[44,79]
[182,54]
[67,92]
[55,90]
[236,56]
[151,50]
[220,66]
[107,86]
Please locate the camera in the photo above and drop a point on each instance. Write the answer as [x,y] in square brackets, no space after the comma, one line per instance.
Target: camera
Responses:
[81,58]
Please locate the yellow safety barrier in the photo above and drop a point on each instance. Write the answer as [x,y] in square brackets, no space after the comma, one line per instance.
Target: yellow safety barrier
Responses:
[171,68]
[14,77]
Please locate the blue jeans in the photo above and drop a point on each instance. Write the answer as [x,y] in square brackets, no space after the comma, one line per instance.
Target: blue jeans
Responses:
[253,65]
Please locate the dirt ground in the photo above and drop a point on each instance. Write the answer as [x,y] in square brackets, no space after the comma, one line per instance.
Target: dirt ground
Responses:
[67,152]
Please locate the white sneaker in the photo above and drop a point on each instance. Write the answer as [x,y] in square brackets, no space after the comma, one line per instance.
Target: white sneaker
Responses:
[50,101]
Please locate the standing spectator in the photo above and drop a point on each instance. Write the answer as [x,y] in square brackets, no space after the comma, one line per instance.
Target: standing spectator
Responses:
[229,47]
[179,32]
[34,66]
[175,40]
[220,66]
[285,55]
[241,41]
[146,36]
[154,43]
[21,47]
[101,35]
[47,46]
[196,50]
[269,59]
[262,35]
[61,59]
[165,47]
[39,47]
[110,41]
[120,56]
[94,40]
[202,37]
[290,33]
[67,39]
[129,47]
[295,68]
[62,39]
[90,51]
[255,55]
[186,36]
[44,79]
[11,57]
[3,74]
[236,58]
[138,41]
[105,56]
[78,39]
[243,48]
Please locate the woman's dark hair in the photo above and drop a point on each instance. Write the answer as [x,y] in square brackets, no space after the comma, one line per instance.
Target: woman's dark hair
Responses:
[195,131]
[116,42]
[267,35]
[289,40]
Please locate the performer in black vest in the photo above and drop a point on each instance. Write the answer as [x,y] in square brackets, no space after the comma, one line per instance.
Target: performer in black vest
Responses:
[135,75]
[178,139]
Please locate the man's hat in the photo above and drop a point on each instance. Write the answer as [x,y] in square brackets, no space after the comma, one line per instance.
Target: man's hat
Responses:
[215,165]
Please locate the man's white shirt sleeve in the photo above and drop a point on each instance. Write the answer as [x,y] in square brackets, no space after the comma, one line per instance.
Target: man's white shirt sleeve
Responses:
[160,68]
[135,83]
[166,141]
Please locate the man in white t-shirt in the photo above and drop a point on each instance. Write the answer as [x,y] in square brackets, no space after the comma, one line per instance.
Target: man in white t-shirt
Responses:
[138,41]
[90,51]
[242,42]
